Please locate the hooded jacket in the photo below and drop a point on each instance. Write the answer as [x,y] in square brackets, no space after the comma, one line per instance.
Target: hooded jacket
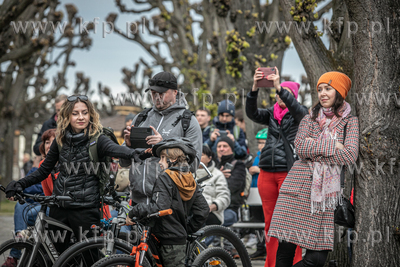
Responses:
[240,147]
[143,177]
[178,191]
[273,156]
[215,190]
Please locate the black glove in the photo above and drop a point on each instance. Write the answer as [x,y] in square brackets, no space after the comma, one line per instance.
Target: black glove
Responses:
[12,188]
[143,155]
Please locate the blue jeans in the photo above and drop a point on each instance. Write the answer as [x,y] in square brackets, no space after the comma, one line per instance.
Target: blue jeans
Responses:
[24,215]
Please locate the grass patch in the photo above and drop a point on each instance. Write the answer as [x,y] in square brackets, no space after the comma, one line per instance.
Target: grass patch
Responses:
[7,207]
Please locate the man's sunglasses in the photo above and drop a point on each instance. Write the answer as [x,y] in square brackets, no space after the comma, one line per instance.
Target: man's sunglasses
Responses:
[72,98]
[168,84]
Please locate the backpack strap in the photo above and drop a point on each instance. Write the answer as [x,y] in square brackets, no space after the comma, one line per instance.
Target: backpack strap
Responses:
[185,120]
[142,116]
[94,157]
[186,117]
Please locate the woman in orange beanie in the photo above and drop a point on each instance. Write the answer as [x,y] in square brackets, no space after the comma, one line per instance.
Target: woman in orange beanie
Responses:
[303,215]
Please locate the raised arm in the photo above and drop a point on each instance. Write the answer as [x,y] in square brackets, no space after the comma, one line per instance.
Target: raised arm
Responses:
[297,110]
[106,147]
[310,148]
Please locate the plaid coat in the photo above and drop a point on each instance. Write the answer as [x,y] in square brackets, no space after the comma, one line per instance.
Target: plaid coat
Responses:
[292,219]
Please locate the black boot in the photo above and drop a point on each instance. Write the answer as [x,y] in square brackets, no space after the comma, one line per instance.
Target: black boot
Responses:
[258,255]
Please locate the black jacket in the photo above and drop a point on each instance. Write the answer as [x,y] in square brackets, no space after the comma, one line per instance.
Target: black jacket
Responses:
[236,182]
[74,154]
[273,156]
[187,217]
[49,124]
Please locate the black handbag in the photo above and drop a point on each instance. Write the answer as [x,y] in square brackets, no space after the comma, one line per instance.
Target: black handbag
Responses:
[290,152]
[344,212]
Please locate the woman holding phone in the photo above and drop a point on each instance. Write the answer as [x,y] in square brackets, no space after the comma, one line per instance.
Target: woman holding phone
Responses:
[284,117]
[327,139]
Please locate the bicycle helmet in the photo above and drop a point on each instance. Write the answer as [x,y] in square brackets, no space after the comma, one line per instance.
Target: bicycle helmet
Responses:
[182,143]
[262,134]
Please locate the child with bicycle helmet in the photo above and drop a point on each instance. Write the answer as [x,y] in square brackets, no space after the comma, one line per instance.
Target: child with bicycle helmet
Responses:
[176,189]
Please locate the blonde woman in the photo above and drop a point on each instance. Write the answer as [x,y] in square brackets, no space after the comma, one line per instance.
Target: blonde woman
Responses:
[77,124]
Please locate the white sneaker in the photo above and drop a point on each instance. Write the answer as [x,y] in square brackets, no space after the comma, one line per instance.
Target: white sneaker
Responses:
[252,242]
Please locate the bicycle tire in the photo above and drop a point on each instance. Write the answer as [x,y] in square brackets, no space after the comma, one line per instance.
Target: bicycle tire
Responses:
[222,231]
[214,254]
[118,260]
[73,254]
[41,260]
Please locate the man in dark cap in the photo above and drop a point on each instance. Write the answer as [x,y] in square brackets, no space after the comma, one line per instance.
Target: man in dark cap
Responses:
[167,118]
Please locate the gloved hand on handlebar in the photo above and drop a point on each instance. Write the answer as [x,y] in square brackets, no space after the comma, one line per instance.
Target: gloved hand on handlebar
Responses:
[12,188]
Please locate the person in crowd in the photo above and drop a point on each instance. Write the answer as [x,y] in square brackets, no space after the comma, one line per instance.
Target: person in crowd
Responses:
[254,170]
[239,120]
[176,189]
[283,118]
[167,118]
[311,191]
[50,123]
[235,174]
[44,148]
[203,116]
[128,122]
[78,126]
[27,164]
[225,122]
[24,215]
[216,190]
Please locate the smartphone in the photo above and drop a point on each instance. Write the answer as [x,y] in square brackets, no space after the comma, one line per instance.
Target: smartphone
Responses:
[138,137]
[223,133]
[264,82]
[228,166]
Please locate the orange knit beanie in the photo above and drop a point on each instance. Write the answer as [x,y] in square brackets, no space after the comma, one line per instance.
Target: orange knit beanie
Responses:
[339,81]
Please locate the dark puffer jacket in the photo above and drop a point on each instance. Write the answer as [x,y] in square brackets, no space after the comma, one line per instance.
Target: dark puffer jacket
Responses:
[273,156]
[73,177]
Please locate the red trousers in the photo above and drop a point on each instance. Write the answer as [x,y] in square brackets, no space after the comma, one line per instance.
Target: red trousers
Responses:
[268,185]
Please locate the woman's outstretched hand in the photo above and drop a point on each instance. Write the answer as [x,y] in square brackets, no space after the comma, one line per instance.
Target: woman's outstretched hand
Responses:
[276,79]
[258,75]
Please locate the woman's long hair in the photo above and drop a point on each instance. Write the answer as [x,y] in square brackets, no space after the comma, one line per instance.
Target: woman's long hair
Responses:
[63,121]
[336,105]
[46,136]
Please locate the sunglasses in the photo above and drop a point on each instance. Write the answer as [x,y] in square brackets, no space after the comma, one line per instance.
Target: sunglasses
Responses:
[72,98]
[169,84]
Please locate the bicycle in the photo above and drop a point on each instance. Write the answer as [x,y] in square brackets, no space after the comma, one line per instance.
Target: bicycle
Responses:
[34,250]
[108,244]
[146,254]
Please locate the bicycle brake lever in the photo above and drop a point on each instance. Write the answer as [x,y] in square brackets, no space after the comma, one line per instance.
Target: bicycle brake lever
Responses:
[71,196]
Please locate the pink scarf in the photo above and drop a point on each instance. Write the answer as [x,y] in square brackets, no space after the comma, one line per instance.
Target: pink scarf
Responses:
[279,112]
[325,188]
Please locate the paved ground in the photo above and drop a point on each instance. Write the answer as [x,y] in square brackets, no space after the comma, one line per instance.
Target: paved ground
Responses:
[7,225]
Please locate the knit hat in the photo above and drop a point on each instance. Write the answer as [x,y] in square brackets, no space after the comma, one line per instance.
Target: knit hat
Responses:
[226,106]
[227,140]
[293,86]
[339,81]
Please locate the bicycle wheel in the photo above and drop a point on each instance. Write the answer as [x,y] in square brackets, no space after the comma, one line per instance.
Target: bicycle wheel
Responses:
[26,248]
[86,253]
[120,261]
[214,257]
[228,234]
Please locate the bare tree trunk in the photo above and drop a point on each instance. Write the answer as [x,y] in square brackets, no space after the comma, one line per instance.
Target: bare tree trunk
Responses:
[377,72]
[28,132]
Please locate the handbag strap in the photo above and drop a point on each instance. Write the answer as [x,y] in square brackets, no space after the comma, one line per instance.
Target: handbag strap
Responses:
[285,141]
[342,174]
